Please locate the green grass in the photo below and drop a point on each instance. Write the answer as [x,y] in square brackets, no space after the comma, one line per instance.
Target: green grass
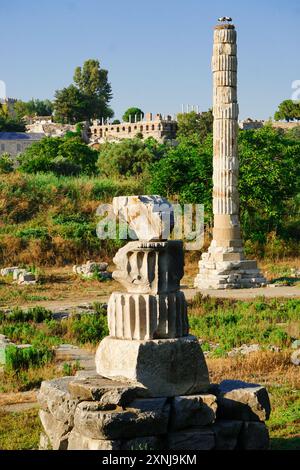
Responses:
[232,323]
[50,220]
[284,422]
[20,430]
[26,368]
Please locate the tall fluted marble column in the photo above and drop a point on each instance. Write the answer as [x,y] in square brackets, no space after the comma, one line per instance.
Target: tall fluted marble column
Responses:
[224,265]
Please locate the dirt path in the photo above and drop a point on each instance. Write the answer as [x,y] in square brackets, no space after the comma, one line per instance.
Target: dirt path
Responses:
[240,294]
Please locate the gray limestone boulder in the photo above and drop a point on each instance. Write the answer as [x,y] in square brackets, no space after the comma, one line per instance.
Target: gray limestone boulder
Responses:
[242,401]
[78,441]
[108,393]
[226,434]
[144,417]
[295,357]
[56,431]
[166,367]
[192,439]
[192,410]
[54,397]
[254,436]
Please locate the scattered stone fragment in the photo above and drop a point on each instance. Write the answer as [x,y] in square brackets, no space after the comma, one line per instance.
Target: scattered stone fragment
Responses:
[295,357]
[242,401]
[244,350]
[88,270]
[26,278]
[296,344]
[9,270]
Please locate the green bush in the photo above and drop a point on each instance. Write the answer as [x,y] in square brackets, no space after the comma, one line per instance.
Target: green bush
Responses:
[130,157]
[6,163]
[62,156]
[17,359]
[36,314]
[89,328]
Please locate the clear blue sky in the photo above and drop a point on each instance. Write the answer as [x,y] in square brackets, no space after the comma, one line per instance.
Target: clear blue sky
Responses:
[157,52]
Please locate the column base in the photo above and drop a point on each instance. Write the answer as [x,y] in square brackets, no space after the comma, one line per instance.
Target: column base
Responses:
[226,268]
[165,367]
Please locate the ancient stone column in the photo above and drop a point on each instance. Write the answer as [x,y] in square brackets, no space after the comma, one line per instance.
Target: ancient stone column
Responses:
[224,266]
[149,342]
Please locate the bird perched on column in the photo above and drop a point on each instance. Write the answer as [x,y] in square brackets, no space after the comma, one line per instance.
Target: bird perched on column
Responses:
[225,19]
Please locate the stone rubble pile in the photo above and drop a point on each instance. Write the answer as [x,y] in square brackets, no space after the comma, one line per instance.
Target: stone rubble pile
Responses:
[90,268]
[21,276]
[96,413]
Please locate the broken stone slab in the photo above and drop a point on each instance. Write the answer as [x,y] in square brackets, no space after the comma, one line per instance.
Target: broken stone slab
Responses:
[242,401]
[54,397]
[44,443]
[192,410]
[26,278]
[90,267]
[8,270]
[254,436]
[295,344]
[79,442]
[56,431]
[166,367]
[226,434]
[17,273]
[144,417]
[295,357]
[150,217]
[108,393]
[192,439]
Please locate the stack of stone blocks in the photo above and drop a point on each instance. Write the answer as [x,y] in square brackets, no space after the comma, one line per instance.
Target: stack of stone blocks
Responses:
[151,390]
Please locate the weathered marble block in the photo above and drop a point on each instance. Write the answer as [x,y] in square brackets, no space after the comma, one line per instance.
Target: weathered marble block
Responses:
[166,367]
[150,217]
[150,267]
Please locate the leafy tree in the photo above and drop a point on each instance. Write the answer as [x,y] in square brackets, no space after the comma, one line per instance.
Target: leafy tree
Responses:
[116,121]
[33,108]
[62,156]
[186,173]
[69,105]
[269,177]
[133,113]
[129,157]
[288,110]
[195,126]
[11,124]
[88,98]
